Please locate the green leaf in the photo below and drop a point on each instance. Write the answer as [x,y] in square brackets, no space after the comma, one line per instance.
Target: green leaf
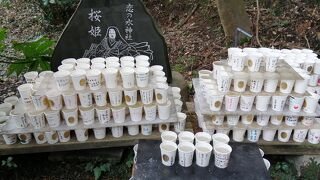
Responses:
[3,162]
[3,34]
[129,163]
[105,167]
[89,167]
[97,173]
[44,65]
[9,159]
[17,68]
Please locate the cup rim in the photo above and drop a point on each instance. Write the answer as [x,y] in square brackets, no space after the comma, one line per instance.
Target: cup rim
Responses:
[169,143]
[185,143]
[112,58]
[187,133]
[93,72]
[141,58]
[203,144]
[31,73]
[23,87]
[225,146]
[83,60]
[61,74]
[221,135]
[168,133]
[196,136]
[142,70]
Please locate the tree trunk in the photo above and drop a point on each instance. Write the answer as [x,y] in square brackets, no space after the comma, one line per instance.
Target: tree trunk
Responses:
[232,15]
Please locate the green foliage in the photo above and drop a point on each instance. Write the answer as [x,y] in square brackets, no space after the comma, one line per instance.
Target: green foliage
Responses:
[97,168]
[280,23]
[311,170]
[244,41]
[283,171]
[179,68]
[3,35]
[8,163]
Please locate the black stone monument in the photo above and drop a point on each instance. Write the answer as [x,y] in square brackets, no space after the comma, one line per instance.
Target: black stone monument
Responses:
[103,28]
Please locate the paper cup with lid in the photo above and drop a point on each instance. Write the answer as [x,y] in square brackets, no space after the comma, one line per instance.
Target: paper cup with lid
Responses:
[118,113]
[150,111]
[164,110]
[31,77]
[168,152]
[79,79]
[87,114]
[180,125]
[62,79]
[70,116]
[85,97]
[278,101]
[130,96]
[231,101]
[254,60]
[271,81]
[256,82]
[240,81]
[246,101]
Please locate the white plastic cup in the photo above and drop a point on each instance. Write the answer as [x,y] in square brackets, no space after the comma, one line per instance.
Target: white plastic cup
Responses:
[231,101]
[202,137]
[222,155]
[215,101]
[31,77]
[217,119]
[295,103]
[271,60]
[224,81]
[130,96]
[146,129]
[19,119]
[156,68]
[136,112]
[186,152]
[164,110]
[37,119]
[117,131]
[110,77]
[169,136]
[256,82]
[79,79]
[64,136]
[186,136]
[52,137]
[85,97]
[119,113]
[133,130]
[219,138]
[69,61]
[253,135]
[238,61]
[161,92]
[100,97]
[300,134]
[113,64]
[55,100]
[62,79]
[146,95]
[142,76]
[180,125]
[82,135]
[10,138]
[286,86]
[291,120]
[278,102]
[70,116]
[98,60]
[127,75]
[150,112]
[94,79]
[115,97]
[168,152]
[254,61]
[276,120]
[83,61]
[247,119]
[40,137]
[262,101]
[87,114]
[70,99]
[263,120]
[310,103]
[66,67]
[82,66]
[142,64]
[53,118]
[25,91]
[141,58]
[246,101]
[178,104]
[103,113]
[112,59]
[284,135]
[233,120]
[240,81]
[271,82]
[314,136]
[99,133]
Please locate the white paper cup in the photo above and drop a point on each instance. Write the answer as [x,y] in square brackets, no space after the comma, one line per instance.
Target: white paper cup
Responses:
[268,134]
[85,97]
[133,130]
[262,101]
[160,79]
[130,96]
[150,112]
[307,121]
[98,60]
[263,120]
[310,103]
[240,81]
[238,61]
[186,152]
[13,100]
[219,138]
[286,86]
[40,137]
[217,119]
[231,101]
[142,76]
[168,152]
[10,138]
[300,86]
[178,104]
[127,59]
[99,133]
[117,131]
[79,79]
[53,118]
[69,61]
[246,101]
[161,93]
[313,81]
[37,119]
[115,97]
[110,77]
[39,100]
[127,75]
[164,110]
[62,79]
[136,112]
[113,64]
[203,154]
[54,99]
[278,101]
[31,77]
[180,125]
[100,97]
[142,64]
[253,135]
[202,137]
[46,74]
[94,79]
[83,60]
[186,136]
[291,120]
[146,129]
[256,82]
[271,60]
[222,155]
[169,136]
[25,138]
[25,91]
[83,66]
[66,67]
[224,81]
[119,113]
[300,134]
[266,163]
[64,136]
[70,99]
[233,120]
[103,113]
[215,101]
[6,107]
[52,137]
[238,133]
[82,135]
[156,68]
[254,61]
[19,119]
[146,95]
[295,103]
[247,119]
[158,74]
[314,136]
[284,135]
[87,114]
[276,120]
[112,59]
[231,52]
[142,58]
[70,116]
[271,82]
